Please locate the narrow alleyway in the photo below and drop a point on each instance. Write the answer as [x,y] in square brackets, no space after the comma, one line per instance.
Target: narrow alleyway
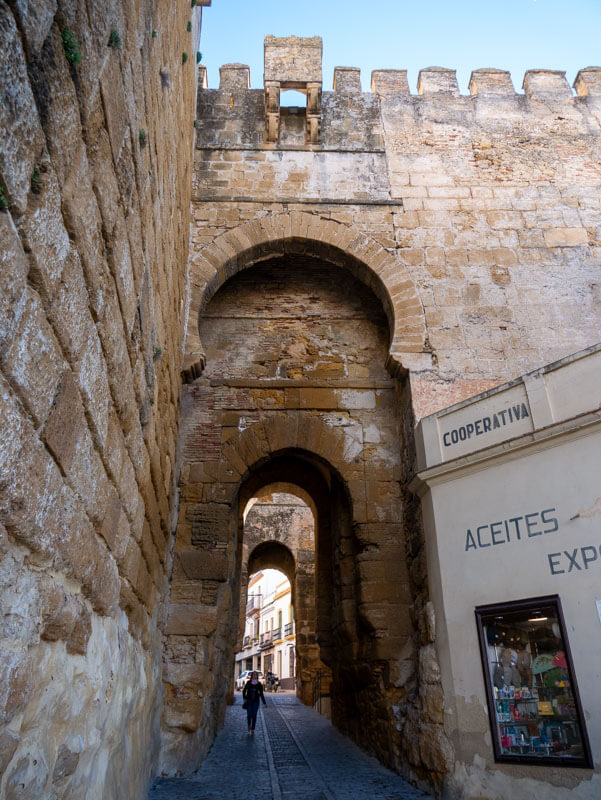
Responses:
[296,754]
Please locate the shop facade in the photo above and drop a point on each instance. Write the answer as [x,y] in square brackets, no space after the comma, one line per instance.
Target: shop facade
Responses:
[510,487]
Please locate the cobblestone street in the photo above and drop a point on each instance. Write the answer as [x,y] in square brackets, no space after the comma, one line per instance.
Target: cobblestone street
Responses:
[295,754]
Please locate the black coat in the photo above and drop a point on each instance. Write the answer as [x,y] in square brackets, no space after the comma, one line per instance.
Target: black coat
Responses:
[253,692]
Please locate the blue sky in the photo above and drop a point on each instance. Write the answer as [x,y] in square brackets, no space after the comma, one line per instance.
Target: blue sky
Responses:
[460,34]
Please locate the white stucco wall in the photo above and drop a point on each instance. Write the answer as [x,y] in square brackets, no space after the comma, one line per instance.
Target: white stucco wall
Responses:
[518,519]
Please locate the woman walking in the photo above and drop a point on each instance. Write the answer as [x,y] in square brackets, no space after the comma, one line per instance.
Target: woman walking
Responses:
[252,695]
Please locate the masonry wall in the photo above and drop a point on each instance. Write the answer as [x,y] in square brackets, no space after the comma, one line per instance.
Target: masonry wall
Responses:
[477,222]
[95,157]
[489,203]
[296,351]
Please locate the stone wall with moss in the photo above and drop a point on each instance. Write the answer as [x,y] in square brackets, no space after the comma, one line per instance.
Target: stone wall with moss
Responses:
[96,113]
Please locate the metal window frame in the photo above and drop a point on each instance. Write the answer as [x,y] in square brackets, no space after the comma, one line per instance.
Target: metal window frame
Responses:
[531,604]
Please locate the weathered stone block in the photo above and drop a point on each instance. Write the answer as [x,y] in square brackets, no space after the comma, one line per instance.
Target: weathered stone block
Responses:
[546,83]
[435,750]
[293,59]
[35,19]
[113,527]
[565,237]
[389,81]
[16,682]
[33,352]
[432,702]
[64,426]
[9,742]
[318,398]
[491,81]
[77,642]
[59,614]
[113,100]
[437,79]
[82,220]
[199,566]
[186,674]
[44,234]
[23,141]
[347,80]
[68,436]
[133,567]
[56,99]
[429,669]
[181,649]
[191,620]
[588,82]
[65,764]
[184,712]
[234,77]
[14,268]
[210,524]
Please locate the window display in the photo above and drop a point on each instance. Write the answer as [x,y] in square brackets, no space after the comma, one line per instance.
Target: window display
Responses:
[532,695]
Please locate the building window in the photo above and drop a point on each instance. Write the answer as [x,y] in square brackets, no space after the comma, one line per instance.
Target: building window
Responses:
[533,701]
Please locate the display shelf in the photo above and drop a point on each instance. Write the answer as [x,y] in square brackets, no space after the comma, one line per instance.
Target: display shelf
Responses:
[525,652]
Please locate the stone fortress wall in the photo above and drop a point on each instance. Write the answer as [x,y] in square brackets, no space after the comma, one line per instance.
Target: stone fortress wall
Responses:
[488,205]
[475,220]
[96,112]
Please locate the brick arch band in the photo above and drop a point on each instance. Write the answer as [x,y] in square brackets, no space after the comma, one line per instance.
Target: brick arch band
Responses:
[248,450]
[308,234]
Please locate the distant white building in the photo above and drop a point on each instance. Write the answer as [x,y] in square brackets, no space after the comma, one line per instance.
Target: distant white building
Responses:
[269,641]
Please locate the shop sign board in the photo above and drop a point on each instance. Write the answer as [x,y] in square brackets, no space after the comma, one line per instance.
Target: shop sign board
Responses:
[532,402]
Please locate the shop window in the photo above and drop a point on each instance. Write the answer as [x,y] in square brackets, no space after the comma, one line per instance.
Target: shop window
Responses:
[533,701]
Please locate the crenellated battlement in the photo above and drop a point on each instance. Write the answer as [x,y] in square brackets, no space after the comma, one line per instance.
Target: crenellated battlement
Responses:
[391,143]
[536,83]
[349,118]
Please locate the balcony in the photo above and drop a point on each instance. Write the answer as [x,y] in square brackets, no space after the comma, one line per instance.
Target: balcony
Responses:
[253,603]
[289,629]
[266,639]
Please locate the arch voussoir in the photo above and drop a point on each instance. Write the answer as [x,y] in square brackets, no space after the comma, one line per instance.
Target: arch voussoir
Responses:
[241,239]
[281,432]
[307,233]
[305,432]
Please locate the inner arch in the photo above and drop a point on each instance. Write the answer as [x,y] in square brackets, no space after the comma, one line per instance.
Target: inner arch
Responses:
[295,318]
[309,248]
[273,555]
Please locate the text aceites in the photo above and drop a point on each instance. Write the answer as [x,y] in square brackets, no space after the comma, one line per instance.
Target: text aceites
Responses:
[520,528]
[514,529]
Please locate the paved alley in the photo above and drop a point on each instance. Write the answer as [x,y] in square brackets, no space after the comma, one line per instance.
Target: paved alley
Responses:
[295,754]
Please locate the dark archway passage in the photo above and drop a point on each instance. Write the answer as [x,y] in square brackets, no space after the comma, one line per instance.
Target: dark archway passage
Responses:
[279,533]
[296,394]
[319,595]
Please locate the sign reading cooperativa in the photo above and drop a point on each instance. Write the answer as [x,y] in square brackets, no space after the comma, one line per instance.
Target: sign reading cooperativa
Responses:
[478,427]
[494,419]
